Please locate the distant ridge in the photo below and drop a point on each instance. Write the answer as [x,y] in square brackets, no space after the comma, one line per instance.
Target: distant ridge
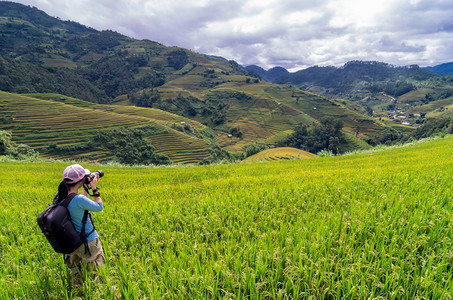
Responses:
[368,69]
[349,72]
[446,68]
[271,75]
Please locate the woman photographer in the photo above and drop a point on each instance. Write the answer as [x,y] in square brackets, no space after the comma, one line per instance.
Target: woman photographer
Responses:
[90,255]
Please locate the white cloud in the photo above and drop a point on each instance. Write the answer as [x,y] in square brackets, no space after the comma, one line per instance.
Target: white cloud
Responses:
[290,33]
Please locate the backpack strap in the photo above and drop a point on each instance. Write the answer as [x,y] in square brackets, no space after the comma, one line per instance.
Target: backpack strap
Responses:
[86,214]
[83,234]
[68,199]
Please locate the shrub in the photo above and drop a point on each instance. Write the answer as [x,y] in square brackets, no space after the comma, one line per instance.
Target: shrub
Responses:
[254,148]
[8,147]
[5,142]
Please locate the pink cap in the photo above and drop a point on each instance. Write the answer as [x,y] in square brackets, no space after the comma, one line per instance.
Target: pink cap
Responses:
[75,173]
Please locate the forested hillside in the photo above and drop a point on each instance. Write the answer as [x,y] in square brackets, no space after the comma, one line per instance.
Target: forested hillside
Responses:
[379,102]
[48,55]
[343,81]
[446,68]
[402,94]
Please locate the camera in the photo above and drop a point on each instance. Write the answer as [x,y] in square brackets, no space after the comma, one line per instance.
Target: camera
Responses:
[91,176]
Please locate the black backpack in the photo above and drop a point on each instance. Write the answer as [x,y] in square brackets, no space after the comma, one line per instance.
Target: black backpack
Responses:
[56,225]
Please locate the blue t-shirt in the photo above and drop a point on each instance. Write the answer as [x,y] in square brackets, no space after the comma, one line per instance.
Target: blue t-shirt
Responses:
[77,207]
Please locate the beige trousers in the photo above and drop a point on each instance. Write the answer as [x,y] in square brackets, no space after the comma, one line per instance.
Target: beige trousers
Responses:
[79,261]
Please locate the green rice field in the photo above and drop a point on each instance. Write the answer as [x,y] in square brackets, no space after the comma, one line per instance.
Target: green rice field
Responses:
[370,225]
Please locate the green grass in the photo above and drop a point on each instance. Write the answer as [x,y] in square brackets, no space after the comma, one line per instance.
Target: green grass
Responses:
[371,225]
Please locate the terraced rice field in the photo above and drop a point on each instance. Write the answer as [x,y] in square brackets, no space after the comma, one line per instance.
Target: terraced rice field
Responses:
[280,153]
[161,116]
[38,123]
[180,148]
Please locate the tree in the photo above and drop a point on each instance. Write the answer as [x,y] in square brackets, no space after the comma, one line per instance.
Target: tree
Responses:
[129,146]
[434,126]
[254,148]
[234,131]
[23,151]
[145,98]
[326,135]
[6,145]
[178,59]
[388,136]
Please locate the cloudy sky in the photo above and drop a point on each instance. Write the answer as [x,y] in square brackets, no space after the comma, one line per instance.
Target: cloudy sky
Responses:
[294,34]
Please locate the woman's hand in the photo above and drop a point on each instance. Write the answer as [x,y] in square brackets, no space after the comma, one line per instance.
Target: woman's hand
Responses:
[94,182]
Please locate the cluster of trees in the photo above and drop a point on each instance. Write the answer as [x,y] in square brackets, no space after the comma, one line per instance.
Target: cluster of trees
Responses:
[54,148]
[16,35]
[212,111]
[145,98]
[430,127]
[124,145]
[129,146]
[216,108]
[387,137]
[326,135]
[186,106]
[444,94]
[236,132]
[218,155]
[434,126]
[252,149]
[177,59]
[394,89]
[95,42]
[23,77]
[118,75]
[10,148]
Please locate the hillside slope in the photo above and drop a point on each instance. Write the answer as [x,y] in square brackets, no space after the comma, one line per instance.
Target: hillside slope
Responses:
[70,126]
[399,94]
[46,55]
[446,68]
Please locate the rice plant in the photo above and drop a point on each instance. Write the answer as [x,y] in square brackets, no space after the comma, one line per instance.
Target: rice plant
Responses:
[367,225]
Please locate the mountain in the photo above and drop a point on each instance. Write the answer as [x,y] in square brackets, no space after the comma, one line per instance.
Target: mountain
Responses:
[271,75]
[41,54]
[343,78]
[257,70]
[72,59]
[24,26]
[376,88]
[446,68]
